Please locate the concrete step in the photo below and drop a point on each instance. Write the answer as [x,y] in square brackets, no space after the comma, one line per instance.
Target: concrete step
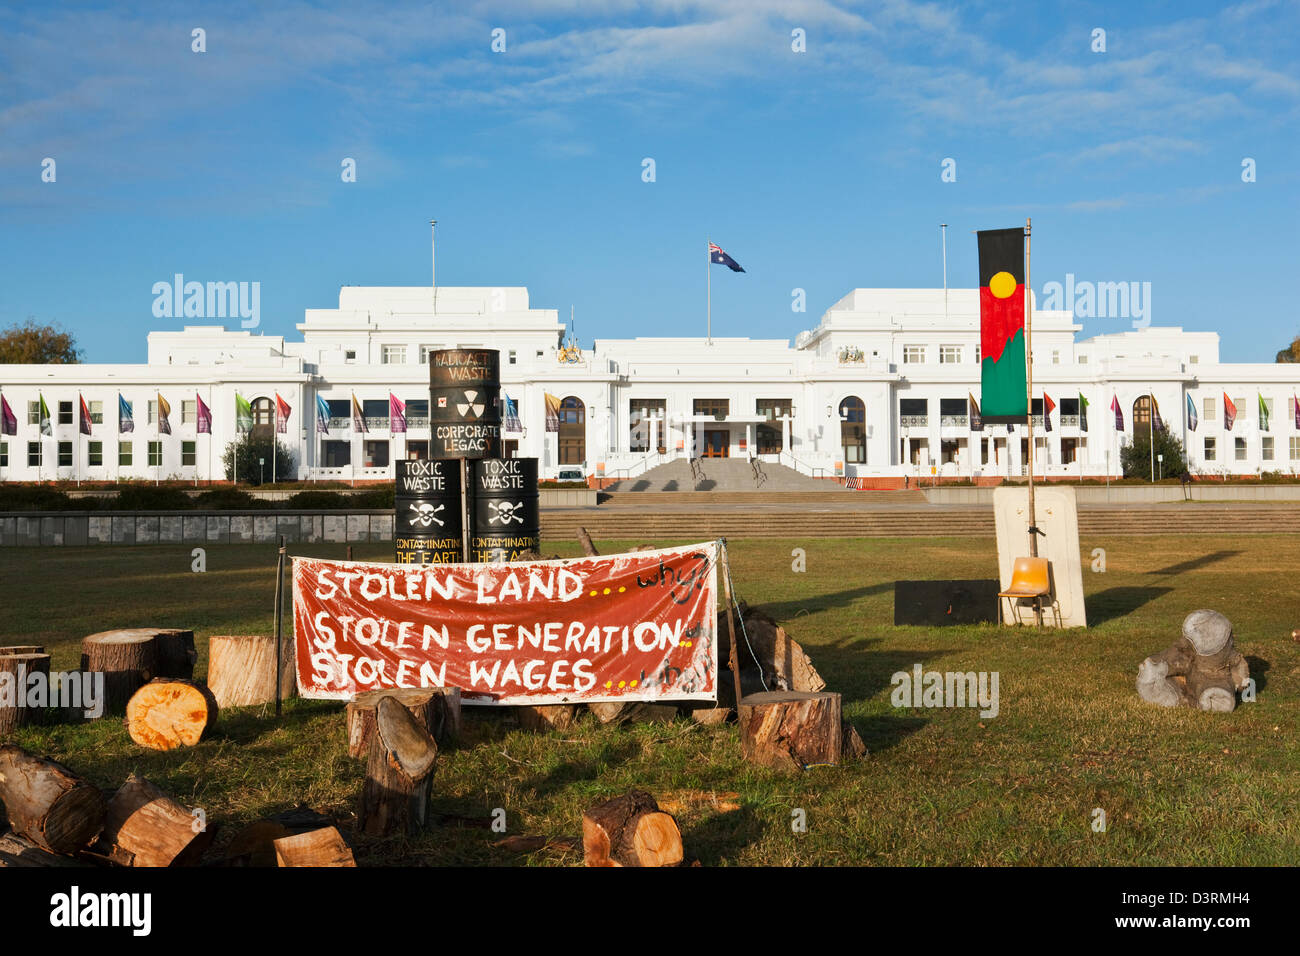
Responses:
[758,498]
[720,474]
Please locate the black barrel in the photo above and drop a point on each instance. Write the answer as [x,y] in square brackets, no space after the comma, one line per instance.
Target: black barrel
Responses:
[465,403]
[426,514]
[505,520]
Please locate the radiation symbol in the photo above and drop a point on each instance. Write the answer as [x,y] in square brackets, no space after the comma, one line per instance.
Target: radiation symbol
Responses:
[471,406]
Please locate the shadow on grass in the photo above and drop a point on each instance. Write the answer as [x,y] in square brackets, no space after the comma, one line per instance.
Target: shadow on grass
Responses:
[784,612]
[882,732]
[1258,668]
[611,753]
[717,838]
[1194,563]
[853,670]
[1114,603]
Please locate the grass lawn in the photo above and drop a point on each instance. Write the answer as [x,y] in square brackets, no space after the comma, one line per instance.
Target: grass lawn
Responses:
[940,787]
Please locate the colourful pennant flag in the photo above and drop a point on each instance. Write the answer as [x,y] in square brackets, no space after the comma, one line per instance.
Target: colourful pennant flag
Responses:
[1048,407]
[1083,413]
[8,420]
[358,419]
[204,416]
[1119,413]
[1191,414]
[552,413]
[322,415]
[1229,413]
[243,414]
[125,417]
[164,410]
[282,412]
[47,427]
[396,415]
[1263,413]
[83,423]
[1156,421]
[512,416]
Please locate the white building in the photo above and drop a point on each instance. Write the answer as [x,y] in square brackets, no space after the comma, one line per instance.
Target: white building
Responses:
[875,392]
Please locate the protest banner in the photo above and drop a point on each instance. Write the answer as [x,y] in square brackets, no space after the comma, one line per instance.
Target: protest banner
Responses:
[623,627]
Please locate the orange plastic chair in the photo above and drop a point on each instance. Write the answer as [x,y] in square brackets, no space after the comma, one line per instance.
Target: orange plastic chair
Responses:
[1030,578]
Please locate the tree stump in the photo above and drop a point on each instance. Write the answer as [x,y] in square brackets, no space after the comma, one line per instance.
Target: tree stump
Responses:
[241,669]
[630,830]
[399,772]
[791,730]
[15,671]
[542,718]
[636,711]
[21,649]
[17,851]
[437,709]
[146,827]
[47,803]
[167,713]
[323,847]
[176,652]
[588,548]
[128,660]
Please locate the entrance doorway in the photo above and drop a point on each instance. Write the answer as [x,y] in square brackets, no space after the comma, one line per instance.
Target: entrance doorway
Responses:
[717,443]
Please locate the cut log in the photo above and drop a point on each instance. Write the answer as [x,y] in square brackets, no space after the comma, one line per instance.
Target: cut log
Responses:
[21,649]
[19,851]
[323,847]
[146,827]
[167,713]
[241,669]
[399,772]
[127,658]
[588,548]
[791,729]
[853,745]
[436,708]
[47,803]
[176,652]
[784,664]
[542,718]
[15,672]
[636,711]
[630,830]
[255,844]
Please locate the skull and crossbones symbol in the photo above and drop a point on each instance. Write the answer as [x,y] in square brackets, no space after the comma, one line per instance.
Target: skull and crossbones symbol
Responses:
[505,512]
[425,515]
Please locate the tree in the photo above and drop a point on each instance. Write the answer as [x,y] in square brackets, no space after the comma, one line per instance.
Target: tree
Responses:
[32,344]
[1291,353]
[1135,455]
[252,447]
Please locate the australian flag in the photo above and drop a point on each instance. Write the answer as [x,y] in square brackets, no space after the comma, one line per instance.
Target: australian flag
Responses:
[720,258]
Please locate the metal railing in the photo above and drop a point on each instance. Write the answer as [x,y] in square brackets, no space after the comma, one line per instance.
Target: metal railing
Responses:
[697,470]
[812,471]
[1069,421]
[908,421]
[760,475]
[645,464]
[952,421]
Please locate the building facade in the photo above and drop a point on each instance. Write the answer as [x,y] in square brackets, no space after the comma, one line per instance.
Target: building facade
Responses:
[877,391]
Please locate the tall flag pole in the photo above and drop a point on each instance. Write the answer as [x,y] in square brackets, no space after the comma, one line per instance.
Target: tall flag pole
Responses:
[243,426]
[83,428]
[8,420]
[719,257]
[1029,391]
[1263,412]
[708,283]
[1083,414]
[322,423]
[1152,424]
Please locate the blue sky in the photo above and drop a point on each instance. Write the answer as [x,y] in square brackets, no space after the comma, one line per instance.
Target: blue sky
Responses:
[817,170]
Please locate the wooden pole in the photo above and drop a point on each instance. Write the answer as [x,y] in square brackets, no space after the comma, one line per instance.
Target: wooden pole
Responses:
[465,517]
[1029,380]
[279,616]
[731,625]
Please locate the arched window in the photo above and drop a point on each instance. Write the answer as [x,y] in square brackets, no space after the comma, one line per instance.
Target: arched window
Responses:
[1142,412]
[573,431]
[263,417]
[853,430]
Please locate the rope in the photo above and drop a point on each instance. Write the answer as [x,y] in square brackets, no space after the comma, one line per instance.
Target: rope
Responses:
[744,633]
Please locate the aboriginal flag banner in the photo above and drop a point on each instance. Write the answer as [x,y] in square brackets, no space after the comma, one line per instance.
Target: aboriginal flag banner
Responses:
[621,627]
[1003,396]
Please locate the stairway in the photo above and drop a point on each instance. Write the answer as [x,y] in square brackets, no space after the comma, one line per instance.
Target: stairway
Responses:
[722,474]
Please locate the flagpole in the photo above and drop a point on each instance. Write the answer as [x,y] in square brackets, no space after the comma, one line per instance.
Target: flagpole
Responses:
[1152,422]
[275,441]
[1029,385]
[708,282]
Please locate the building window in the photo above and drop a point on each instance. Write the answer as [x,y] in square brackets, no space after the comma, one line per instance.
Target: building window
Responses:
[36,456]
[853,430]
[1207,409]
[155,454]
[1193,359]
[1141,412]
[913,411]
[913,354]
[417,413]
[65,454]
[376,454]
[336,454]
[1241,449]
[65,413]
[424,354]
[1056,356]
[1210,448]
[977,355]
[949,354]
[4,454]
[952,412]
[96,412]
[640,412]
[94,453]
[263,417]
[375,411]
[393,355]
[1083,358]
[350,355]
[769,436]
[189,411]
[573,431]
[513,357]
[417,450]
[151,411]
[124,454]
[717,407]
[34,413]
[1295,448]
[1266,448]
[187,454]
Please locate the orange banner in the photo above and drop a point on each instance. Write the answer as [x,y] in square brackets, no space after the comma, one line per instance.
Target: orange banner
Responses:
[635,626]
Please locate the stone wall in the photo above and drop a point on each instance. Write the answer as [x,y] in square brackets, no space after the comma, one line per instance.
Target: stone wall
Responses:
[36,529]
